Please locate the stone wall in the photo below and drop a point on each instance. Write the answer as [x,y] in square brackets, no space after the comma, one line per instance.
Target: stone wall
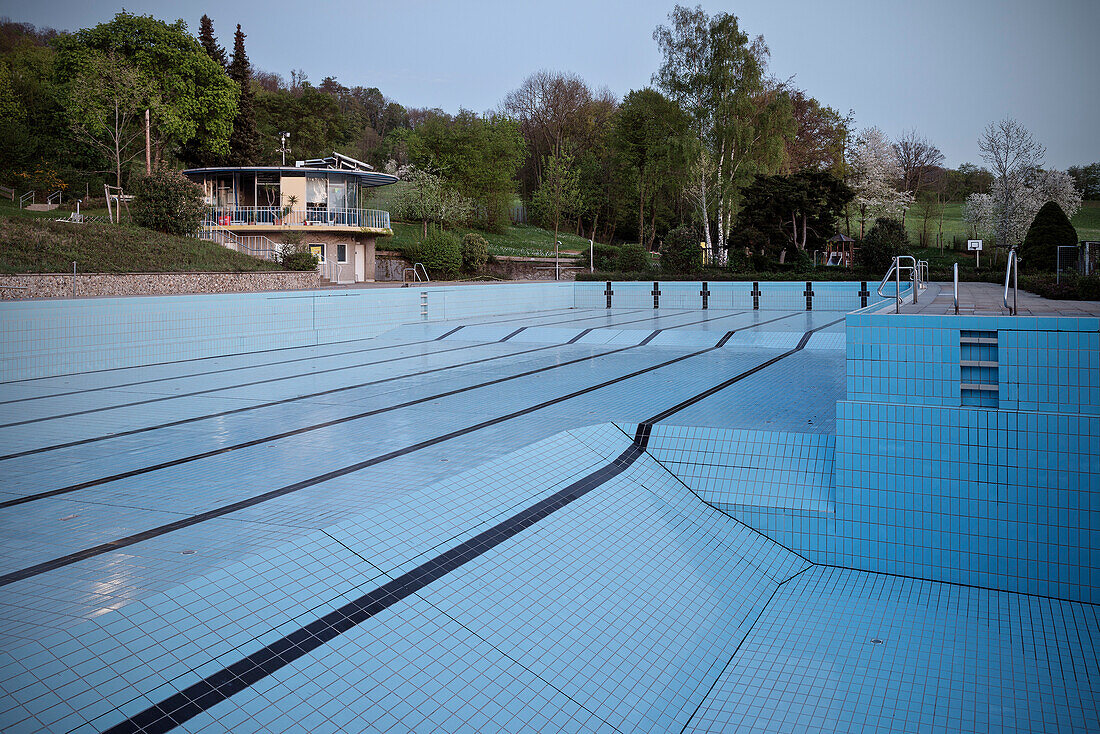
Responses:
[60,285]
[389,266]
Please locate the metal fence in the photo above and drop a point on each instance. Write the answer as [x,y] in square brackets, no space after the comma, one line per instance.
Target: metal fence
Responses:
[276,217]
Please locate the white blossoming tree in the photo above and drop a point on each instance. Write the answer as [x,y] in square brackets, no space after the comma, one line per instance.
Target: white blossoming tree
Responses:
[1025,193]
[875,172]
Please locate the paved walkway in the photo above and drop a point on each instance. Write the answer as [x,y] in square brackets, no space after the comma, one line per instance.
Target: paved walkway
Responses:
[987,299]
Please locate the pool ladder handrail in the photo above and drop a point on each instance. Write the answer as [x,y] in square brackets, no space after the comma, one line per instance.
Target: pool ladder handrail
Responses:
[895,269]
[1012,271]
[416,270]
[956,278]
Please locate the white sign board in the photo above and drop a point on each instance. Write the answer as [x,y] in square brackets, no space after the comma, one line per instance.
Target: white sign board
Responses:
[973,245]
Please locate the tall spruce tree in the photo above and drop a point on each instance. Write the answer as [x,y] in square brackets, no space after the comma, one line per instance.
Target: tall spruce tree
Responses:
[206,38]
[244,144]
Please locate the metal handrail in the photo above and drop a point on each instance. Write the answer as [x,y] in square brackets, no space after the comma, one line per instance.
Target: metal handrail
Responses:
[54,195]
[255,245]
[895,270]
[956,269]
[274,216]
[24,197]
[423,270]
[1013,272]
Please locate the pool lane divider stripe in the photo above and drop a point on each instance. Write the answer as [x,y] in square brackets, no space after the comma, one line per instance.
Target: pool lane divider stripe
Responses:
[263,364]
[540,314]
[330,391]
[221,414]
[219,686]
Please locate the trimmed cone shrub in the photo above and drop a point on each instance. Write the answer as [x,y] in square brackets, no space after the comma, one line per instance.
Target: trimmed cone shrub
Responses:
[633,259]
[168,201]
[441,253]
[680,252]
[475,253]
[1050,229]
[886,240]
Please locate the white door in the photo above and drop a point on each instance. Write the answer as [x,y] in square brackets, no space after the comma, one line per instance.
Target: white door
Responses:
[360,263]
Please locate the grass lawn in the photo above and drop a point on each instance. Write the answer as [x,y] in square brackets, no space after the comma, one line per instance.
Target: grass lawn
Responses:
[37,245]
[1086,221]
[518,240]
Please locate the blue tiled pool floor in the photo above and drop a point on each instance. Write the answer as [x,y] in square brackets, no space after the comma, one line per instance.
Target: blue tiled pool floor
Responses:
[180,541]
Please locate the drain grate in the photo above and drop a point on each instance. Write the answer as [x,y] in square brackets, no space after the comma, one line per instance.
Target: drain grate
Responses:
[876,641]
[188,553]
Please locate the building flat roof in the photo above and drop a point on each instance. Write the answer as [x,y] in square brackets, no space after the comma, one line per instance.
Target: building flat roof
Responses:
[370,178]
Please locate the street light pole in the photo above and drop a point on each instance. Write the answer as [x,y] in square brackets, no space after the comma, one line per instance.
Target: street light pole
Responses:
[283,137]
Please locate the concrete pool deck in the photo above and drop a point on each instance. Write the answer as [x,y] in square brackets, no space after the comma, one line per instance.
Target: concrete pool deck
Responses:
[566,520]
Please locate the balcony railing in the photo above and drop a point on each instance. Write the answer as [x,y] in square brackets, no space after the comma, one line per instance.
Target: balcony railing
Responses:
[275,217]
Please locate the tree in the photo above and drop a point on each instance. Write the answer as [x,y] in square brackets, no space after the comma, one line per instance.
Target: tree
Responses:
[479,157]
[244,143]
[1012,155]
[796,212]
[167,201]
[107,101]
[874,169]
[917,159]
[210,44]
[428,198]
[886,240]
[820,136]
[1087,180]
[680,250]
[1049,230]
[559,193]
[198,100]
[740,117]
[649,135]
[986,213]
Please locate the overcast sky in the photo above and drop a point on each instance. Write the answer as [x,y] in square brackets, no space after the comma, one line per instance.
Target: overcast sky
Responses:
[943,67]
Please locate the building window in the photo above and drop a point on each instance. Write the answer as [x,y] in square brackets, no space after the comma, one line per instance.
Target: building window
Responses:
[341,253]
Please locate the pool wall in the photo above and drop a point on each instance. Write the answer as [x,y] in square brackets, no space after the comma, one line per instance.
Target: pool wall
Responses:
[968,451]
[56,337]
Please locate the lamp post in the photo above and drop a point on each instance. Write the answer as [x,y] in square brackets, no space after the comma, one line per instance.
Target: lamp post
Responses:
[283,137]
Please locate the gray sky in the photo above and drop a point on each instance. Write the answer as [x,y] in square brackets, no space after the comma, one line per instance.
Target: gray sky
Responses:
[944,67]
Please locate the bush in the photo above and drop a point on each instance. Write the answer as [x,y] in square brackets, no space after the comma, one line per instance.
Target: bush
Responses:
[1070,287]
[298,260]
[607,257]
[167,201]
[1050,229]
[441,253]
[475,253]
[633,259]
[886,240]
[680,252]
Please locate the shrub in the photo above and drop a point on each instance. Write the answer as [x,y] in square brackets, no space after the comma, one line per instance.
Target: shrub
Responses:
[1050,229]
[886,240]
[167,201]
[298,260]
[633,259]
[441,253]
[475,252]
[607,256]
[680,252]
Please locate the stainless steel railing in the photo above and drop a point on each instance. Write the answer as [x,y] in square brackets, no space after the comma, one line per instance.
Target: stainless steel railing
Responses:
[277,217]
[1012,272]
[895,270]
[956,278]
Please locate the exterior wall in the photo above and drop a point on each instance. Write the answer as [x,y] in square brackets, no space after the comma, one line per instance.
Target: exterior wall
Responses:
[293,186]
[391,265]
[331,239]
[997,488]
[60,285]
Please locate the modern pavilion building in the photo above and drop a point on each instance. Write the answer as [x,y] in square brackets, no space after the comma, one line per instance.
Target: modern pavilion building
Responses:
[316,202]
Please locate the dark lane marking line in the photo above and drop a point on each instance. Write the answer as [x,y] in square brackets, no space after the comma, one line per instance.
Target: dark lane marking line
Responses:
[512,334]
[261,364]
[258,406]
[234,411]
[211,390]
[452,331]
[210,372]
[298,431]
[548,312]
[577,338]
[113,545]
[737,378]
[219,686]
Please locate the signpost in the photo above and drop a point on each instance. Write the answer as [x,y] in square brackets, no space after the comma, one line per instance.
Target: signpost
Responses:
[975,246]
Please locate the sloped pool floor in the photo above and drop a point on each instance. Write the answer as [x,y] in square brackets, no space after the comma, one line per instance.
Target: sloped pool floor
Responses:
[460,526]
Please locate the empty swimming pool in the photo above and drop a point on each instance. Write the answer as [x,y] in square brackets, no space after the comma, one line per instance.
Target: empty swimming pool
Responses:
[558,507]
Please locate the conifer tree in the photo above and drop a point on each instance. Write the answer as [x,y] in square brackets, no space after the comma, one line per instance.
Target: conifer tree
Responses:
[206,38]
[244,144]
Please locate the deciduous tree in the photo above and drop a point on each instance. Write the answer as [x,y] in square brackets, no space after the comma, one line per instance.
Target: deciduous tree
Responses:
[874,171]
